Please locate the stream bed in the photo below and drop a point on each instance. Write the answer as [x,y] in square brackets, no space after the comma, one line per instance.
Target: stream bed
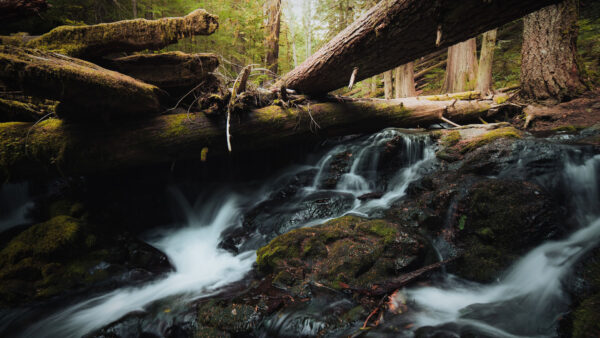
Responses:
[441,208]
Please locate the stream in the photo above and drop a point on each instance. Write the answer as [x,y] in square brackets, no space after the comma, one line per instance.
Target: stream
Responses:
[364,176]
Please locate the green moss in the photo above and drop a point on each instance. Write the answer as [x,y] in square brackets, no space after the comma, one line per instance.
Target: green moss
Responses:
[470,95]
[451,139]
[461,222]
[233,318]
[53,238]
[500,99]
[489,137]
[586,323]
[568,128]
[381,228]
[132,35]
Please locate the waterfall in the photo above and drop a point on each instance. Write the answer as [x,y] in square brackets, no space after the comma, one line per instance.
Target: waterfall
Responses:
[529,299]
[201,268]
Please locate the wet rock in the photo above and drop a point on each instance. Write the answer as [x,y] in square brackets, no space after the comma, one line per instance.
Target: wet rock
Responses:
[498,222]
[339,165]
[348,251]
[232,318]
[66,254]
[275,217]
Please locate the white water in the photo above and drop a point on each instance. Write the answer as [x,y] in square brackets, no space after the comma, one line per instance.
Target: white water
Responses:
[528,300]
[200,270]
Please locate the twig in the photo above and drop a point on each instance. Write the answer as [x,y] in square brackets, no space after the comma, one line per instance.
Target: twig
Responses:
[31,128]
[450,122]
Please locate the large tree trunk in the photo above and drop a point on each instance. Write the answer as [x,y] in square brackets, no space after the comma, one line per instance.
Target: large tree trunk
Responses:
[54,147]
[461,70]
[550,69]
[395,32]
[405,81]
[388,84]
[134,8]
[168,70]
[86,91]
[272,40]
[11,10]
[486,61]
[96,41]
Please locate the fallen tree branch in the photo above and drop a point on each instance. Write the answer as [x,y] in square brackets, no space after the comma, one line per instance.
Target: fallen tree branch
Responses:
[95,41]
[415,27]
[57,147]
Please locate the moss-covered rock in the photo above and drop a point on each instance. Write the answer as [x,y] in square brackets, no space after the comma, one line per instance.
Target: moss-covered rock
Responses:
[345,251]
[65,254]
[499,221]
[489,137]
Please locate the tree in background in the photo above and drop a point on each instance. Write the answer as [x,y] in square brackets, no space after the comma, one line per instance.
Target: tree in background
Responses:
[461,69]
[272,35]
[486,61]
[550,68]
[405,81]
[388,84]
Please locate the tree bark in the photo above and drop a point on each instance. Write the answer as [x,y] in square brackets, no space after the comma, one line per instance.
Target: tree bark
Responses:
[168,70]
[461,69]
[96,41]
[412,26]
[86,91]
[273,31]
[11,10]
[486,61]
[55,147]
[550,68]
[405,81]
[388,84]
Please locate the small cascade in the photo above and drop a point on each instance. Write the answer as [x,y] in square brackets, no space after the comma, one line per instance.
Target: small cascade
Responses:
[202,267]
[529,299]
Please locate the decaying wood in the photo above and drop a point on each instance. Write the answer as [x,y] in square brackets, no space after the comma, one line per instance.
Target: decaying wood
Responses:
[93,42]
[168,70]
[85,90]
[11,10]
[55,147]
[395,32]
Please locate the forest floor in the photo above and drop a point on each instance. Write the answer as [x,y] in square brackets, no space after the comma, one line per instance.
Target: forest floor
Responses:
[568,116]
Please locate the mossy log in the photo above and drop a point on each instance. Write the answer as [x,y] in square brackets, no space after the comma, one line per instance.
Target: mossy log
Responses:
[17,111]
[11,10]
[168,70]
[86,91]
[95,41]
[55,147]
[395,32]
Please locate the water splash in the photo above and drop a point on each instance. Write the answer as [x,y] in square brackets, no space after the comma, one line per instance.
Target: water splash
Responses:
[200,270]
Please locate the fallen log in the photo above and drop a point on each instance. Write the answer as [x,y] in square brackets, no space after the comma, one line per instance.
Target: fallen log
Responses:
[55,147]
[86,91]
[396,32]
[96,41]
[11,10]
[427,70]
[167,70]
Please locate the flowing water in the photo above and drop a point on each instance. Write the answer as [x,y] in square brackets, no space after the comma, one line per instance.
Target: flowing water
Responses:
[362,177]
[202,268]
[529,299]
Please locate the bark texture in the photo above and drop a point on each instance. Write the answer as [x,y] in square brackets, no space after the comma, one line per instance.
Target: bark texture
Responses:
[93,42]
[56,147]
[550,67]
[388,84]
[85,90]
[461,70]
[11,10]
[405,81]
[412,26]
[273,31]
[486,61]
[168,70]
